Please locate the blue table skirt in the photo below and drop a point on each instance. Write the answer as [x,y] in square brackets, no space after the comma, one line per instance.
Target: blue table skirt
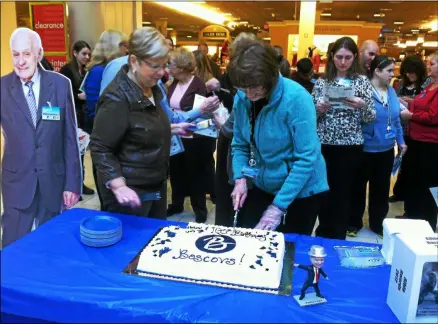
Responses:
[51,276]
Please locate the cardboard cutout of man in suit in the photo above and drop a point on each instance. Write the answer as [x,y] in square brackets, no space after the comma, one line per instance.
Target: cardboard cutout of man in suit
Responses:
[314,271]
[41,168]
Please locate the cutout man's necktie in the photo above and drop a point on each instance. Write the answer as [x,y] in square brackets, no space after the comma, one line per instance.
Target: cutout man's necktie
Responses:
[31,102]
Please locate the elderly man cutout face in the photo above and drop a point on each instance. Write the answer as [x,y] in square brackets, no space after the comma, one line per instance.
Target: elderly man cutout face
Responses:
[41,172]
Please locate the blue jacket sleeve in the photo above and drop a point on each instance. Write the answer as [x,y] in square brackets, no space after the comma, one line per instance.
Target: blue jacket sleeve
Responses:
[399,135]
[107,76]
[92,89]
[184,116]
[180,116]
[302,125]
[240,146]
[398,127]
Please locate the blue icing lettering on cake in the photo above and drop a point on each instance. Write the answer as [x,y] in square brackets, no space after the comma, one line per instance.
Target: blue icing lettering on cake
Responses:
[216,254]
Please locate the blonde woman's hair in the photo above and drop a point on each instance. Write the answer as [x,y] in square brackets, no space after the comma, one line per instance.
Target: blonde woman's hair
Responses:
[203,67]
[433,56]
[107,48]
[147,42]
[184,59]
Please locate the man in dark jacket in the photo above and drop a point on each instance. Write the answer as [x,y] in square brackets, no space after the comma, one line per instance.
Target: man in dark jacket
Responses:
[304,74]
[317,255]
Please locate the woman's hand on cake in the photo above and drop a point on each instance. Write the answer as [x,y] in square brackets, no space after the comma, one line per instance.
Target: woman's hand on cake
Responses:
[239,193]
[126,196]
[271,218]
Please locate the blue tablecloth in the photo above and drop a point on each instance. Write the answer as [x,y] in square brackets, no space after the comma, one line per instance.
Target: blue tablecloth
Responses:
[50,275]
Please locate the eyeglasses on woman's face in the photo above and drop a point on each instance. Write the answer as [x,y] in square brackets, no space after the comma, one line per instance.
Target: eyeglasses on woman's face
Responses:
[250,88]
[153,66]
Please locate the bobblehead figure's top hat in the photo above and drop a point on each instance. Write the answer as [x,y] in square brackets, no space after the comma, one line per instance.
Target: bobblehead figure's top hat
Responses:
[317,251]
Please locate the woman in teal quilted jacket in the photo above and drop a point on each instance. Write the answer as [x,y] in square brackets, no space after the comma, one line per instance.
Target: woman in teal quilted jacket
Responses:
[275,146]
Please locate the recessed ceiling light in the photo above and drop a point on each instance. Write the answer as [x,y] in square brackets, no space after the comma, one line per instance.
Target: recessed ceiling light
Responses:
[379,15]
[146,23]
[415,30]
[188,36]
[169,28]
[326,14]
[399,22]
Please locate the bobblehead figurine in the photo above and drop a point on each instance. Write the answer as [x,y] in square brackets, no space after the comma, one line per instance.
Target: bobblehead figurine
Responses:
[314,273]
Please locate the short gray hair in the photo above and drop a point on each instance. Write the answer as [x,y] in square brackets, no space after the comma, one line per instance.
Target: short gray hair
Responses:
[36,39]
[148,42]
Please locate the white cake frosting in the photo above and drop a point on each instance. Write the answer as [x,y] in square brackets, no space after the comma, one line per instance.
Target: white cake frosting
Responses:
[216,255]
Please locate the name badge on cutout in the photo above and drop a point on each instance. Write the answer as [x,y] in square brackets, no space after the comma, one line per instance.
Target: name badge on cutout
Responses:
[51,112]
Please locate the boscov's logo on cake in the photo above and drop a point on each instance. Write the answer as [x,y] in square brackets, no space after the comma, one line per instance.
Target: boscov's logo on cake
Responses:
[215,243]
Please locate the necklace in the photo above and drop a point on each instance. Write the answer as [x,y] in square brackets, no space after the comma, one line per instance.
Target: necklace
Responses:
[382,94]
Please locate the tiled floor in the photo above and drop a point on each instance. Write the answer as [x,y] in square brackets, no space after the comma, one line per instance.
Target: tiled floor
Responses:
[92,202]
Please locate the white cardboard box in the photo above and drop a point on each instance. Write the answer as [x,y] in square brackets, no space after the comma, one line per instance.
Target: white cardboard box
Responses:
[392,226]
[413,284]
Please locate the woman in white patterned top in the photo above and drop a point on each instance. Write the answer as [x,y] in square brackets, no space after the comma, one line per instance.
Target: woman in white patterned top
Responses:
[340,130]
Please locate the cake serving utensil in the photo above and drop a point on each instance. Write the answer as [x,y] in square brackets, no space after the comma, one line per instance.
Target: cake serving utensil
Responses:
[235,218]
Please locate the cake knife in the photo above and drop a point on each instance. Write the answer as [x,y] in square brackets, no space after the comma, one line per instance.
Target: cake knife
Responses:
[235,218]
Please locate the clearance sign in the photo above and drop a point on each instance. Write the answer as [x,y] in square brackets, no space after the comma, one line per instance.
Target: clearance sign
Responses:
[48,19]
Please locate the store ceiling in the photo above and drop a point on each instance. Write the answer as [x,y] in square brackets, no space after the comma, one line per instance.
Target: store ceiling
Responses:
[257,13]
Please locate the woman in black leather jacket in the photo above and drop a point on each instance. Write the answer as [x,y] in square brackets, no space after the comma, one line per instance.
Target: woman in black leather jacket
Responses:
[131,138]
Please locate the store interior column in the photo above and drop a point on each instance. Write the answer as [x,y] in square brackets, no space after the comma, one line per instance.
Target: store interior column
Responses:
[8,24]
[306,27]
[86,21]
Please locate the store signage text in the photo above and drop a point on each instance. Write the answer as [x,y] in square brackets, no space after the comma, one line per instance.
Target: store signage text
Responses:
[49,22]
[214,34]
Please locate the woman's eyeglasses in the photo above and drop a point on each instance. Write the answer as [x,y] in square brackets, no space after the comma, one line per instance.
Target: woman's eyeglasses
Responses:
[155,67]
[255,87]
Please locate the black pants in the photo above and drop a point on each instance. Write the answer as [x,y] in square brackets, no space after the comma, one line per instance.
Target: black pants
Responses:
[88,125]
[376,170]
[422,174]
[190,175]
[343,163]
[307,286]
[99,188]
[211,171]
[224,203]
[400,185]
[300,218]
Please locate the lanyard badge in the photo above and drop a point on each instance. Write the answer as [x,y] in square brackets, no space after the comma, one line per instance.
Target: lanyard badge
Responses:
[251,171]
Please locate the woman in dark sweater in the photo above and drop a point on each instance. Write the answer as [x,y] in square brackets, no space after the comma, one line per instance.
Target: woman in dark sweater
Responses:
[422,160]
[414,79]
[75,71]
